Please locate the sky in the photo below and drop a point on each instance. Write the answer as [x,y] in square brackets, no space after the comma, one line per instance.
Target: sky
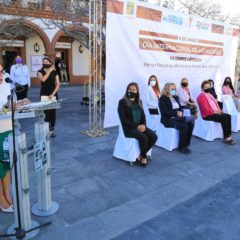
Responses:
[231,7]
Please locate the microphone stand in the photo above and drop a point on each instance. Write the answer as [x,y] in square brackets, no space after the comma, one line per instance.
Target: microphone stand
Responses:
[20,233]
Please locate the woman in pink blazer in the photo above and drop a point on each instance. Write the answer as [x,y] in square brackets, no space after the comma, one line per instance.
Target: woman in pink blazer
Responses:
[211,111]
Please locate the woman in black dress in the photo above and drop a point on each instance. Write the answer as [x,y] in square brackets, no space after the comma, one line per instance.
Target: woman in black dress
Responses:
[49,87]
[133,121]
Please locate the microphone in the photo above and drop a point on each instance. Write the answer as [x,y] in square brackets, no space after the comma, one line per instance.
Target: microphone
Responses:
[8,80]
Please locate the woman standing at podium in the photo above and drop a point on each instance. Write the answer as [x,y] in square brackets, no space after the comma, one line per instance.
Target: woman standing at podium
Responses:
[49,87]
[5,130]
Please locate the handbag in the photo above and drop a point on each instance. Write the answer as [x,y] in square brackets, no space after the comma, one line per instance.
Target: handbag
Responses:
[153,111]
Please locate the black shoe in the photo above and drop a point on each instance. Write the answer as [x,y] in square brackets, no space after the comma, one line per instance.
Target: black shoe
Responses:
[188,150]
[230,142]
[184,150]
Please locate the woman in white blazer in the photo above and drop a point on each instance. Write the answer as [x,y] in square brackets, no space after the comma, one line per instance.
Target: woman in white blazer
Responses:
[153,95]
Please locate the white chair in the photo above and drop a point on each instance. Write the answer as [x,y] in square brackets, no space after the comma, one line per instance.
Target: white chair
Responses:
[230,108]
[152,121]
[207,130]
[168,138]
[127,149]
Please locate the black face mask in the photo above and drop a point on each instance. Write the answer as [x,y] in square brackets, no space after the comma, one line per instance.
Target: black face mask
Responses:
[184,84]
[207,90]
[47,65]
[132,94]
[227,83]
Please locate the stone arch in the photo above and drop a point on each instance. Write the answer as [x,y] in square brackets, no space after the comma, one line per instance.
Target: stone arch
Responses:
[59,34]
[37,29]
[41,33]
[74,79]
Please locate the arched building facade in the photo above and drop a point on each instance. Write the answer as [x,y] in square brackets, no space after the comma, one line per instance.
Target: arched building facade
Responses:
[39,41]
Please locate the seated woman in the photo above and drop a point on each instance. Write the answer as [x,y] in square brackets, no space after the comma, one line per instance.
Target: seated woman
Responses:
[214,94]
[5,130]
[153,95]
[172,117]
[211,111]
[227,89]
[185,97]
[133,121]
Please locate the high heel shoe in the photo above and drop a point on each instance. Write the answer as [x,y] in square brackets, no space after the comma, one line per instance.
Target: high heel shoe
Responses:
[7,210]
[143,162]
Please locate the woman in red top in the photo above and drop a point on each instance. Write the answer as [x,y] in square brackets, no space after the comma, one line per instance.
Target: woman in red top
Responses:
[211,111]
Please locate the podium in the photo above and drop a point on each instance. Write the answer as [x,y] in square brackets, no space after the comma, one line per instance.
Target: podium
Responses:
[42,158]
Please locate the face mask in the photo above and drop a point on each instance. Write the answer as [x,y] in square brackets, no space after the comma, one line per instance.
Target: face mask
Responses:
[227,83]
[184,84]
[211,85]
[207,90]
[45,65]
[153,83]
[19,61]
[132,95]
[172,92]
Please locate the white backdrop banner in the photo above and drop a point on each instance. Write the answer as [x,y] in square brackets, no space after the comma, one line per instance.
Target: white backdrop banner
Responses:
[142,40]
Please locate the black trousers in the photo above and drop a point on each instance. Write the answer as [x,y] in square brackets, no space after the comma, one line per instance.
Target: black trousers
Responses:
[50,117]
[22,92]
[225,120]
[220,104]
[185,131]
[146,139]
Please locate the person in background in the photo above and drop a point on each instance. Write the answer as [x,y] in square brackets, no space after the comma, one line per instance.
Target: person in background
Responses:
[133,121]
[49,89]
[172,117]
[63,71]
[211,111]
[20,74]
[214,94]
[228,89]
[185,97]
[153,95]
[6,204]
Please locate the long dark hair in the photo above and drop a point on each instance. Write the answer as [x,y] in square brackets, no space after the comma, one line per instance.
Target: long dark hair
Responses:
[211,81]
[137,98]
[157,85]
[230,85]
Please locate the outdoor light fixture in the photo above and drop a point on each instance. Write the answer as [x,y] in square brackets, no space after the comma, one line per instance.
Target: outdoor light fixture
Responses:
[36,47]
[80,49]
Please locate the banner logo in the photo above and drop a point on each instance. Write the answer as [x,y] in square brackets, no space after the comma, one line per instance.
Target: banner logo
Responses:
[203,26]
[130,9]
[173,19]
[219,29]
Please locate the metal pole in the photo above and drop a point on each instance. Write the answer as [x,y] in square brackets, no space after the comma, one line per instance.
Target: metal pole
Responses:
[44,206]
[95,68]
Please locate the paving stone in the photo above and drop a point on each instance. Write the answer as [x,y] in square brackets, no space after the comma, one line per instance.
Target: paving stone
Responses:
[176,197]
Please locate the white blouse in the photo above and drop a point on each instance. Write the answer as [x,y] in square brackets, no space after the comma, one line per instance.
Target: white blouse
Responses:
[20,74]
[152,99]
[175,104]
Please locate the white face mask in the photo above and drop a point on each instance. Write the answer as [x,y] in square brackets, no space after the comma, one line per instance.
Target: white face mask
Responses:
[153,83]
